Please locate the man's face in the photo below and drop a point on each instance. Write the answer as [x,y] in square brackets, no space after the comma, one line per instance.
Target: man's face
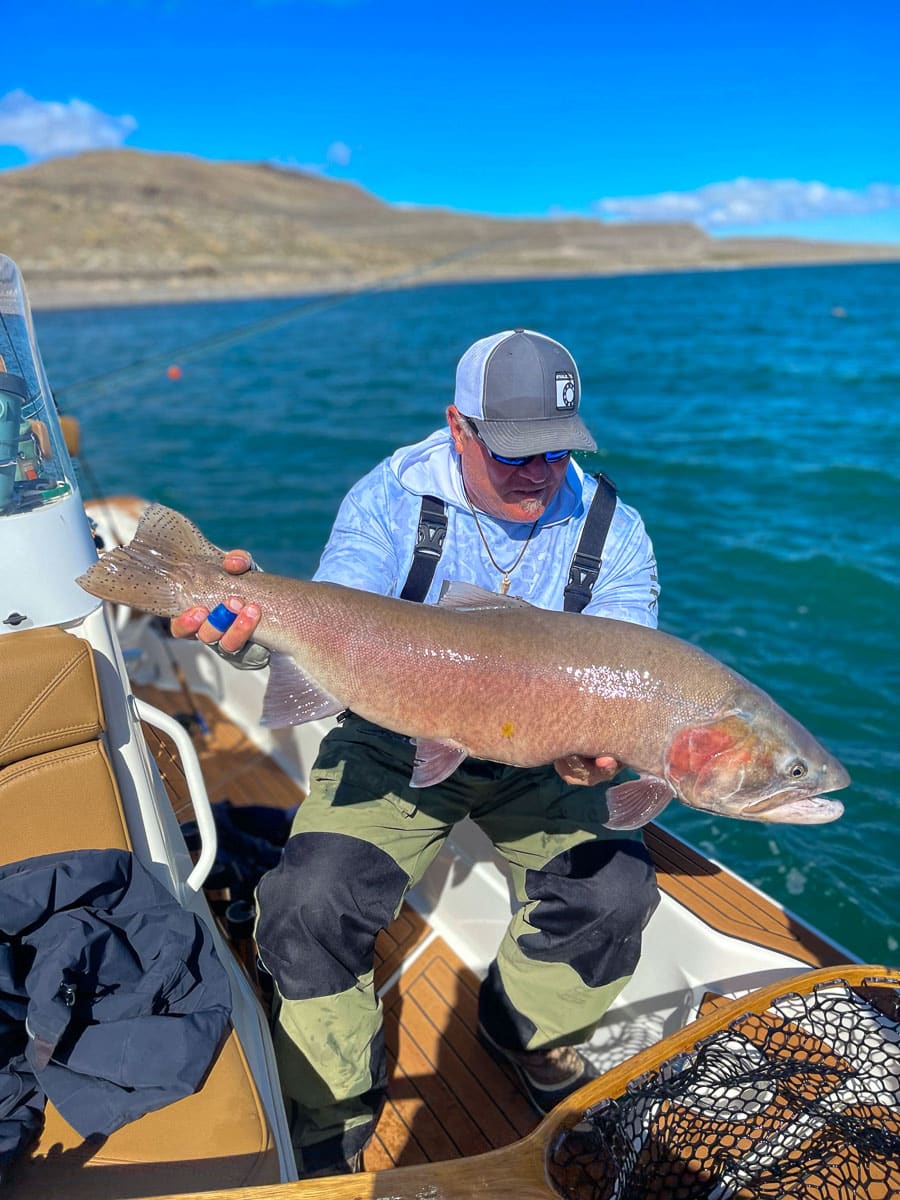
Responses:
[509,493]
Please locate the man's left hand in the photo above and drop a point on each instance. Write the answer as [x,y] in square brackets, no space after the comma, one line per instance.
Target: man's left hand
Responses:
[585,772]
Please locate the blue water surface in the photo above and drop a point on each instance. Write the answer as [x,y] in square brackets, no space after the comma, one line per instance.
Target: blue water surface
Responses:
[751,416]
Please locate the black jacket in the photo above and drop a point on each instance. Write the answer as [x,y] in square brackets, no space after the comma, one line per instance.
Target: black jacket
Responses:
[112,999]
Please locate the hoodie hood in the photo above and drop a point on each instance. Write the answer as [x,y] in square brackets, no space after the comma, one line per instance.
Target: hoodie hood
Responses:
[431,468]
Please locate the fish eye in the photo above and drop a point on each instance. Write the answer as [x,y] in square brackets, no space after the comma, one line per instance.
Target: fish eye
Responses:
[798,769]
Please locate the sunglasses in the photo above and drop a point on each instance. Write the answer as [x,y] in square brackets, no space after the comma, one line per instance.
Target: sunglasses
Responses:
[549,456]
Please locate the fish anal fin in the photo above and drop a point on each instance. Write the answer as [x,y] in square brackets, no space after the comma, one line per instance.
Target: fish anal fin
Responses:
[435,761]
[292,697]
[470,596]
[636,801]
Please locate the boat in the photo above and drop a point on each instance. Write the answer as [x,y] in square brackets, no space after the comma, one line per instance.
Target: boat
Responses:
[114,735]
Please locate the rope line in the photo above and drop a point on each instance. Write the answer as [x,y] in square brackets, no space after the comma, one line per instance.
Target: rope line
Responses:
[309,306]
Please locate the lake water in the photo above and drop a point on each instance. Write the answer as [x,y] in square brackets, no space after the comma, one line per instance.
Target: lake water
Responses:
[751,416]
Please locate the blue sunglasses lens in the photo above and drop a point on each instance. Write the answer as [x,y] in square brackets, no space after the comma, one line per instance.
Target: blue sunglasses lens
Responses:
[550,456]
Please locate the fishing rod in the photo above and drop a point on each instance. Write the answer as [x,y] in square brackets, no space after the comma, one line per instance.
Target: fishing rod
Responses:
[308,306]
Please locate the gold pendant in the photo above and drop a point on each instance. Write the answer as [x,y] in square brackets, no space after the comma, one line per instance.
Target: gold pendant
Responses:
[504,586]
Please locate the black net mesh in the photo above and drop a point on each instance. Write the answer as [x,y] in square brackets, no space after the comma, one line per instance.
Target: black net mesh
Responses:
[801,1101]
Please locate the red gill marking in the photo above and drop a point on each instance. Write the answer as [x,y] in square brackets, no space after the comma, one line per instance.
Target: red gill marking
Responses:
[691,749]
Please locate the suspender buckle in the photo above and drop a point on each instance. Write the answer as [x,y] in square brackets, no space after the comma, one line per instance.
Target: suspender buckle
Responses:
[583,574]
[430,535]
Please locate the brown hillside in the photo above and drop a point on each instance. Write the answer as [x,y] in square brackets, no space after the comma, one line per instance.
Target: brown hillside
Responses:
[125,226]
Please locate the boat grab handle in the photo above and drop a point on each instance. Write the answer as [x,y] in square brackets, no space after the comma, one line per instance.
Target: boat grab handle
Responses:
[206,825]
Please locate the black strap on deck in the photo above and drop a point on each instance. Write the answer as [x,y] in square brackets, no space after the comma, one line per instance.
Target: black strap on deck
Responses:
[588,557]
[429,546]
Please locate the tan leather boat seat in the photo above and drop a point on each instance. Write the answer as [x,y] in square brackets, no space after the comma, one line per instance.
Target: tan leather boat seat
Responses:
[58,792]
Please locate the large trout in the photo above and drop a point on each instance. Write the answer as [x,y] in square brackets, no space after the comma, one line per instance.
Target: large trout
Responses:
[494,677]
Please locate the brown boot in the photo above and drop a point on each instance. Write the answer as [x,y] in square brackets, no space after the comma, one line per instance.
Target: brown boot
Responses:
[547,1076]
[340,1166]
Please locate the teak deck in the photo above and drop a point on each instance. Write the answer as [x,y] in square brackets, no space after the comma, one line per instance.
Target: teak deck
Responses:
[446,1097]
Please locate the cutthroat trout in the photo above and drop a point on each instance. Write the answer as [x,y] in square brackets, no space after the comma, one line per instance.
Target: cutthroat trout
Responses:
[493,677]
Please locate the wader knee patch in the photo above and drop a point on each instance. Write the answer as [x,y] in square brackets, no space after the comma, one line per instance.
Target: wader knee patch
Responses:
[321,909]
[593,901]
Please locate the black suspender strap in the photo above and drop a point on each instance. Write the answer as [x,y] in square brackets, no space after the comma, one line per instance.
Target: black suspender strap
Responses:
[583,572]
[588,557]
[429,546]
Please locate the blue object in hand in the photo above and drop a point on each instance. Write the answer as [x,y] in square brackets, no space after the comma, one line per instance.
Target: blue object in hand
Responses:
[221,618]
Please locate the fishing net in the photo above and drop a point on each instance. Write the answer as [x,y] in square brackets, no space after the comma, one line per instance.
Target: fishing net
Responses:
[801,1100]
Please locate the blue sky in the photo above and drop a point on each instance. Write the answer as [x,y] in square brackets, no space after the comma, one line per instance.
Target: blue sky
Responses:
[763,118]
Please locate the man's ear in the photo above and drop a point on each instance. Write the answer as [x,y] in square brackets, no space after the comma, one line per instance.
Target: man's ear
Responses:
[458,430]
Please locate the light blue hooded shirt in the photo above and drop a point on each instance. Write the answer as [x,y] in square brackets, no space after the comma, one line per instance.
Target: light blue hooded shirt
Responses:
[374,534]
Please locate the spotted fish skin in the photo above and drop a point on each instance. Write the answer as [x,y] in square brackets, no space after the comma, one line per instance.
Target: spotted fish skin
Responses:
[495,678]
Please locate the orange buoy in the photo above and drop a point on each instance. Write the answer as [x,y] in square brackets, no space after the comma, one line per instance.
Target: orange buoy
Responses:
[173,372]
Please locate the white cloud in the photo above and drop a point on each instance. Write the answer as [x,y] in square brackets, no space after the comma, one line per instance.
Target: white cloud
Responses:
[44,128]
[338,154]
[752,202]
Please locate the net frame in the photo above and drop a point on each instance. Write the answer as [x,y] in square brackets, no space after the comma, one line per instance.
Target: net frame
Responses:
[772,1109]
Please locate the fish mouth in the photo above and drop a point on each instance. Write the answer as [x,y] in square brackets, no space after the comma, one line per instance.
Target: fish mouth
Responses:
[795,808]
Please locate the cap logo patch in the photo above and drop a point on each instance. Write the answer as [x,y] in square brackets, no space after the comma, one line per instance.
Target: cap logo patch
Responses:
[565,390]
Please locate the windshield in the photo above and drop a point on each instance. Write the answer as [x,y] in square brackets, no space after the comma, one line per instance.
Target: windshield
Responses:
[35,469]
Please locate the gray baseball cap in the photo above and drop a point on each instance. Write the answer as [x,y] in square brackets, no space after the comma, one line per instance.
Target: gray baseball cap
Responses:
[522,390]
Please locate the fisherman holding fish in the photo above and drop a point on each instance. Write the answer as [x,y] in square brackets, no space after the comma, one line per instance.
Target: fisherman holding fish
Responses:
[505,507]
[494,500]
[533,669]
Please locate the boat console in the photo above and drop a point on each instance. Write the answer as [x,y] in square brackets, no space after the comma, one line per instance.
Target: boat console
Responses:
[46,541]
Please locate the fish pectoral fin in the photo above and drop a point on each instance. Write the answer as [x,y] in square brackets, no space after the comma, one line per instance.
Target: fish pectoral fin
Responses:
[637,801]
[435,760]
[292,697]
[470,596]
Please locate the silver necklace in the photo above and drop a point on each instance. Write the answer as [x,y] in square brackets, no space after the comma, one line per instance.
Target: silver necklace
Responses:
[504,571]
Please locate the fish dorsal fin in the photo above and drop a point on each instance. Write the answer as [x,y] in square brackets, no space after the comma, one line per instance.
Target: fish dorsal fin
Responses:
[474,598]
[637,801]
[292,698]
[435,760]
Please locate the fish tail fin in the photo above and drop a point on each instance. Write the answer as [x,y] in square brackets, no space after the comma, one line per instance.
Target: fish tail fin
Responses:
[159,570]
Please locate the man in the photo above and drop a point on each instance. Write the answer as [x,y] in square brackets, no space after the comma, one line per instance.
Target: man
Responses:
[508,511]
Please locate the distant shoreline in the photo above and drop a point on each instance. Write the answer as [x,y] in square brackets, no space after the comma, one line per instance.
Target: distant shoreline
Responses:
[70,294]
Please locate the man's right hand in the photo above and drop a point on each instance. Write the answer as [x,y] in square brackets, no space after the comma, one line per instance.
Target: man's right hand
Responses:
[193,621]
[579,771]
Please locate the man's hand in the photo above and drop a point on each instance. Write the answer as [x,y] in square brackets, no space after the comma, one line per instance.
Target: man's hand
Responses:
[575,769]
[193,622]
